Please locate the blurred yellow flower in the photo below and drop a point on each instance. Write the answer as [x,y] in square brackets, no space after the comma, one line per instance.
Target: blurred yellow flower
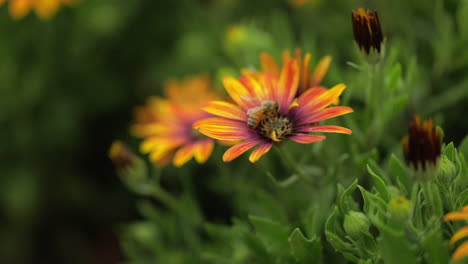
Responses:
[45,9]
[165,124]
[235,34]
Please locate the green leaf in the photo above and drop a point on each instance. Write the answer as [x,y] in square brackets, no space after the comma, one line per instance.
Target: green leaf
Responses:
[395,249]
[379,184]
[346,202]
[305,250]
[332,226]
[400,172]
[450,151]
[393,77]
[437,249]
[273,234]
[252,242]
[463,148]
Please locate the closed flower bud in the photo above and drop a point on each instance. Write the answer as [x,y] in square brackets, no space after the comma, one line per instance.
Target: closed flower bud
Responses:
[130,168]
[447,170]
[121,155]
[368,34]
[422,148]
[400,209]
[356,223]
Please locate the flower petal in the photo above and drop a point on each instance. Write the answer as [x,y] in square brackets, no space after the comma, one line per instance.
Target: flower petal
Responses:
[261,150]
[313,102]
[184,154]
[455,216]
[269,82]
[287,86]
[329,129]
[239,93]
[223,128]
[320,71]
[203,150]
[459,235]
[258,91]
[462,251]
[323,114]
[236,150]
[225,109]
[305,138]
[269,64]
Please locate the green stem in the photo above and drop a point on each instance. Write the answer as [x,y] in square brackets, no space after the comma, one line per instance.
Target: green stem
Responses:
[173,204]
[427,191]
[286,156]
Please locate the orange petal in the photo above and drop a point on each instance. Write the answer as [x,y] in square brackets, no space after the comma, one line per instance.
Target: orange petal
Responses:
[203,150]
[285,56]
[288,84]
[329,129]
[239,93]
[306,138]
[225,109]
[459,235]
[311,102]
[152,144]
[256,90]
[269,82]
[324,114]
[237,150]
[223,128]
[184,154]
[269,64]
[261,150]
[462,251]
[320,71]
[454,216]
[465,209]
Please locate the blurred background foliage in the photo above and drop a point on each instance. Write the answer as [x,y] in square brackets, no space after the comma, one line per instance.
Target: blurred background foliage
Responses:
[68,87]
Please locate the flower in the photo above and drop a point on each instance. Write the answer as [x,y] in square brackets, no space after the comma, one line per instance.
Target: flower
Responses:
[266,110]
[45,9]
[367,31]
[306,80]
[166,124]
[462,250]
[422,146]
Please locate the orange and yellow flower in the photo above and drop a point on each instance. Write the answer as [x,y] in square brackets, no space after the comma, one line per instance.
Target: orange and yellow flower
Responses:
[166,124]
[267,109]
[45,9]
[306,80]
[462,250]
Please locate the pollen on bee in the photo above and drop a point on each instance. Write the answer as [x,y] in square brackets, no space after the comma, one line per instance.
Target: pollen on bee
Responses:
[267,120]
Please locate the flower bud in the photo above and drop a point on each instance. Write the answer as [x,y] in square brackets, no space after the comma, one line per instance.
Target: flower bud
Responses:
[130,168]
[122,157]
[422,148]
[447,170]
[356,223]
[368,34]
[400,209]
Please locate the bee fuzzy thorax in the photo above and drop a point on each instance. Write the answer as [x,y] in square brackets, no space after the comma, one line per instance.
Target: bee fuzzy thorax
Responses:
[268,121]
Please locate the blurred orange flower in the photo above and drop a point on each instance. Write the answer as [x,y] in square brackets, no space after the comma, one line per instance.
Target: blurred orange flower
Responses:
[165,124]
[45,9]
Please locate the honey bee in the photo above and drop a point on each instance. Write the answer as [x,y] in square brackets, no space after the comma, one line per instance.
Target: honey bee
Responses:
[268,109]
